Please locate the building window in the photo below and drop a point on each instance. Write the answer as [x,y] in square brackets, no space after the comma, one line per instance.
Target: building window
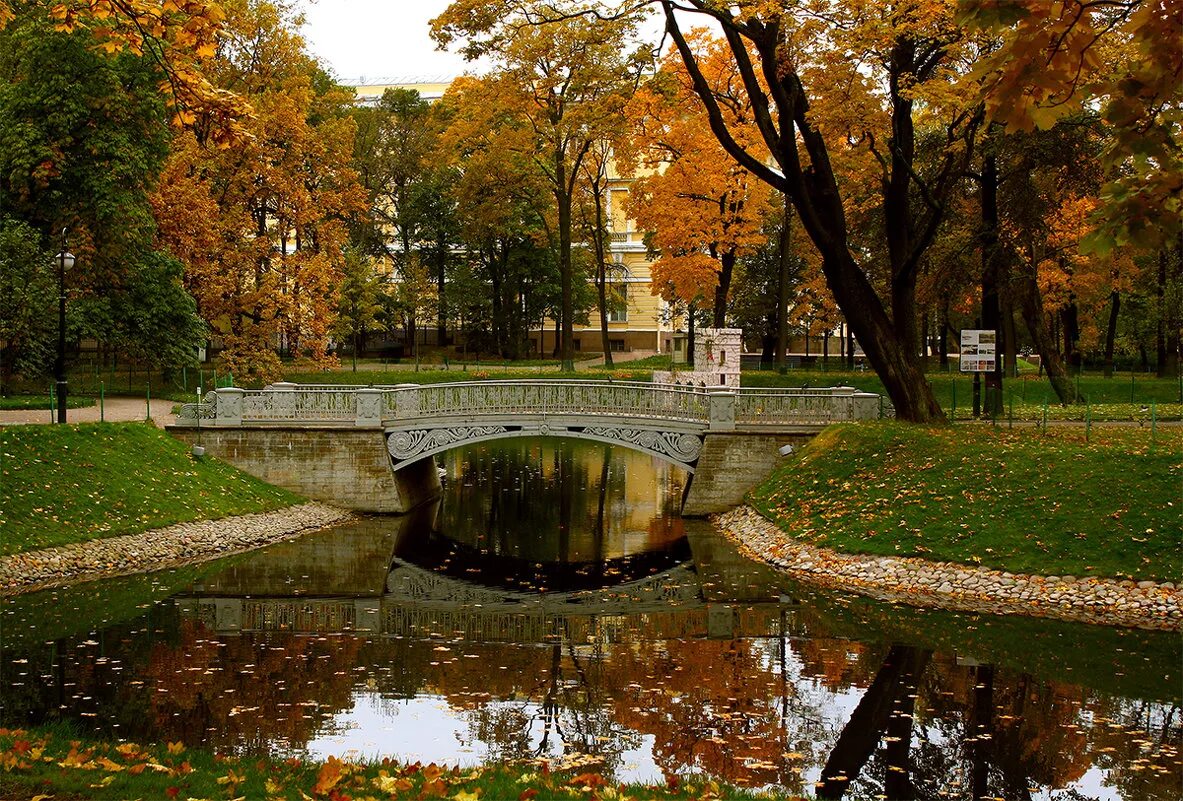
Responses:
[616,345]
[617,303]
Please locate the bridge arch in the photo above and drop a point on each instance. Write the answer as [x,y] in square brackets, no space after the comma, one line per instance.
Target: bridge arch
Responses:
[678,445]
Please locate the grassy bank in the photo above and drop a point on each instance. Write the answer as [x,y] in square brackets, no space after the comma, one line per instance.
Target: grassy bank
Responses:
[1024,501]
[52,762]
[66,484]
[42,402]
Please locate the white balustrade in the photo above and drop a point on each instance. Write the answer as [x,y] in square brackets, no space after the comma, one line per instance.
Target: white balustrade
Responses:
[717,409]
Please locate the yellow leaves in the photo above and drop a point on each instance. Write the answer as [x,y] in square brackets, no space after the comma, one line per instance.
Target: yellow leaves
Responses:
[176,748]
[391,784]
[331,773]
[465,795]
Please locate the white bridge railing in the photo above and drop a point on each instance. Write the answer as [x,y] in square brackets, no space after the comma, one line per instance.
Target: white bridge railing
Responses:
[714,408]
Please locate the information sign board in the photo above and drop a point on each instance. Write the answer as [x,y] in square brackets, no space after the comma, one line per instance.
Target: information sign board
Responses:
[979,351]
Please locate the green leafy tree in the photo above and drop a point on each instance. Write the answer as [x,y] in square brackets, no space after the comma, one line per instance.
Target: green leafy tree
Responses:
[358,299]
[83,137]
[27,311]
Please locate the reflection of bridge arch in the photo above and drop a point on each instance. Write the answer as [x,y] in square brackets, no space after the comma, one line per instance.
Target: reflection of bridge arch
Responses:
[678,444]
[678,586]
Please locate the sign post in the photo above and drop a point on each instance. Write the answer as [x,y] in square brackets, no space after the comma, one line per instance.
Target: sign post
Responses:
[979,354]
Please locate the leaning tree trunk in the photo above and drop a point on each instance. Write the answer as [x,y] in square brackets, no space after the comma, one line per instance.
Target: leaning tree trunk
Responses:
[1031,306]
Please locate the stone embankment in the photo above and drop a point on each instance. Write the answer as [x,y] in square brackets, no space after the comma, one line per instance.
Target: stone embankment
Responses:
[180,544]
[947,585]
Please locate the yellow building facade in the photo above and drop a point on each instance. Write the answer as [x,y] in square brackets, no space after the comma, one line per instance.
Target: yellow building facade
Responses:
[640,323]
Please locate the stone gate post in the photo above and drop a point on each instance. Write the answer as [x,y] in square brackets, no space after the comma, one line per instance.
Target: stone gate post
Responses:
[229,406]
[722,410]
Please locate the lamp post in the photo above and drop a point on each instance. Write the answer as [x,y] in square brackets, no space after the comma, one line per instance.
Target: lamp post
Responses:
[65,261]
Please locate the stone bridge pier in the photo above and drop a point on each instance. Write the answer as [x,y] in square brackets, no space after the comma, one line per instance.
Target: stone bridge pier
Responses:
[372,449]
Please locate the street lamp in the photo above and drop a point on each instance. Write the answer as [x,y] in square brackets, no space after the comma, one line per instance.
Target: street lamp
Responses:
[65,260]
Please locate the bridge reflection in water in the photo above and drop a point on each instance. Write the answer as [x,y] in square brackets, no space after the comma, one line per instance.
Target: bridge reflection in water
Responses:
[357,581]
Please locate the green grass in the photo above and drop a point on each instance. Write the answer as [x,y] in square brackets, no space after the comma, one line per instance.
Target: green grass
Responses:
[1023,501]
[55,761]
[436,375]
[656,362]
[1124,662]
[66,484]
[1027,393]
[14,402]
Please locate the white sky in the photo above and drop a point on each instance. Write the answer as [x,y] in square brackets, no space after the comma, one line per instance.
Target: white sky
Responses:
[378,39]
[387,39]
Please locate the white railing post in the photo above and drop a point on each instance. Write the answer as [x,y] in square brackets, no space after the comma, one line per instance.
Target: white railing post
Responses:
[722,410]
[866,406]
[369,407]
[229,406]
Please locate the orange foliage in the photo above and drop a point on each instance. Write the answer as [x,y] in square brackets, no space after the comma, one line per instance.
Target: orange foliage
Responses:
[260,228]
[698,204]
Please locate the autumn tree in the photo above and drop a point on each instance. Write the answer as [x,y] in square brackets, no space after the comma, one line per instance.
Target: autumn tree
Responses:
[262,227]
[358,301]
[702,209]
[506,211]
[573,74]
[1056,60]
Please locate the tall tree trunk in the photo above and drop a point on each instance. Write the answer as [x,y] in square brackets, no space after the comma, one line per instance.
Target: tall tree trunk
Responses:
[1031,306]
[726,270]
[1170,315]
[567,314]
[1010,339]
[691,312]
[601,272]
[1111,331]
[440,275]
[784,248]
[992,269]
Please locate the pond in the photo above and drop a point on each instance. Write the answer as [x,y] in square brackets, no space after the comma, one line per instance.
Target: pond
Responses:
[553,605]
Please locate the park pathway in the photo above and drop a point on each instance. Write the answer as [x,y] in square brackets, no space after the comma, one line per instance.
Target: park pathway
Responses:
[116,410]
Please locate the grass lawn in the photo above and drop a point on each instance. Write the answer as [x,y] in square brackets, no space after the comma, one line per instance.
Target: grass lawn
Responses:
[66,484]
[42,402]
[1024,501]
[51,761]
[1122,397]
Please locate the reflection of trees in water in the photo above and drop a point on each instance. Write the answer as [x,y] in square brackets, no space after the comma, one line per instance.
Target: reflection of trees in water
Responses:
[752,711]
[573,501]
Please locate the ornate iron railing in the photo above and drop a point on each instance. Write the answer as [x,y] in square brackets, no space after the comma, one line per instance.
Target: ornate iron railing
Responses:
[205,410]
[760,407]
[465,399]
[290,405]
[715,408]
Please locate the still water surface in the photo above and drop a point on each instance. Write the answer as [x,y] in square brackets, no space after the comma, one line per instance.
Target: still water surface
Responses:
[554,605]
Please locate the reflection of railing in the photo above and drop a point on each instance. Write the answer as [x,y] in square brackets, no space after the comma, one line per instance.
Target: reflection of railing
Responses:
[711,408]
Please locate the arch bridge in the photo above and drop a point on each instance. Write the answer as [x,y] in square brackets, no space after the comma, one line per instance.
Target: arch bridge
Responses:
[695,428]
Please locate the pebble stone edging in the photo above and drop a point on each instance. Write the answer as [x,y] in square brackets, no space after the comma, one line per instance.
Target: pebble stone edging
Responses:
[172,546]
[947,585]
